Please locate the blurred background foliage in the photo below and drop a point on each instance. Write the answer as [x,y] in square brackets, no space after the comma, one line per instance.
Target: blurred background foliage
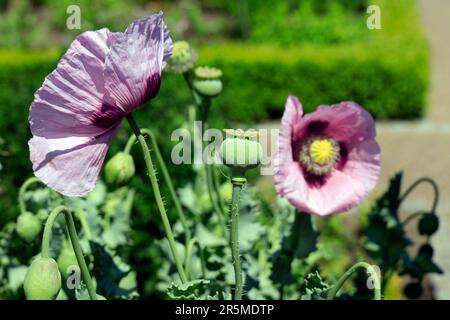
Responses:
[321,51]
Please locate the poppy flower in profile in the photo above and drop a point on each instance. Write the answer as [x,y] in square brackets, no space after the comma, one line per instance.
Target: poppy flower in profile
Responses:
[101,78]
[327,161]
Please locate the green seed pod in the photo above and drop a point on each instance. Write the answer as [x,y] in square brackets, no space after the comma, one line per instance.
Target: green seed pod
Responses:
[43,280]
[66,259]
[241,150]
[207,81]
[119,169]
[28,226]
[413,290]
[208,88]
[428,224]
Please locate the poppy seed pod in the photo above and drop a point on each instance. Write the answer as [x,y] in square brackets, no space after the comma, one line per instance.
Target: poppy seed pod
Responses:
[43,280]
[241,150]
[207,81]
[119,169]
[28,226]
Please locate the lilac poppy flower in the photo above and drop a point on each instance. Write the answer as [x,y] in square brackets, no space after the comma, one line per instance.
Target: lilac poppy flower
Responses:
[75,114]
[327,161]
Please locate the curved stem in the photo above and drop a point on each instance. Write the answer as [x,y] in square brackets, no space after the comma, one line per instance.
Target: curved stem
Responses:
[167,179]
[22,191]
[371,272]
[416,183]
[413,216]
[234,238]
[157,193]
[75,245]
[47,235]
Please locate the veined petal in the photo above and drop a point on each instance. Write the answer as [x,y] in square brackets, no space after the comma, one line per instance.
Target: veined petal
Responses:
[283,158]
[69,103]
[135,62]
[70,165]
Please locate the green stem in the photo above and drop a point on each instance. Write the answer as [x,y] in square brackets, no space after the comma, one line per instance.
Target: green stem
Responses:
[157,193]
[79,254]
[47,235]
[212,197]
[416,183]
[46,238]
[371,272]
[22,191]
[216,187]
[234,238]
[167,179]
[202,259]
[84,224]
[189,250]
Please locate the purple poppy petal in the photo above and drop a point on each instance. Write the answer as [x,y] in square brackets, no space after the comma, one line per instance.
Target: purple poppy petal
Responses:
[69,103]
[346,122]
[292,114]
[135,62]
[70,165]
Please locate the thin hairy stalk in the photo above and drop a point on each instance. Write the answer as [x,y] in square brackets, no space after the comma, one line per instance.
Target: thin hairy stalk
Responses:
[158,197]
[23,190]
[46,238]
[167,179]
[371,272]
[234,237]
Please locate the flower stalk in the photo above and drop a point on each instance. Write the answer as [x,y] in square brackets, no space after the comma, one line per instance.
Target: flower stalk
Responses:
[75,245]
[23,190]
[238,184]
[157,193]
[370,271]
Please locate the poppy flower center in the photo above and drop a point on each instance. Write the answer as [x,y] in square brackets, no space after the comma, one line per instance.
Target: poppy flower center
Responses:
[319,155]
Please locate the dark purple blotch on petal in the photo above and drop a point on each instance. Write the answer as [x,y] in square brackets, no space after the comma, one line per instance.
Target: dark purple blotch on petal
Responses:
[108,116]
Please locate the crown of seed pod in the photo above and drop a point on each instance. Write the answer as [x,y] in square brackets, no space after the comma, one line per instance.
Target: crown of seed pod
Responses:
[183,57]
[241,150]
[119,169]
[207,81]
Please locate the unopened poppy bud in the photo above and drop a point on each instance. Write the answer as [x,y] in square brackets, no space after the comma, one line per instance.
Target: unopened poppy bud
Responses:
[66,259]
[43,280]
[207,81]
[428,224]
[183,57]
[241,150]
[28,226]
[119,169]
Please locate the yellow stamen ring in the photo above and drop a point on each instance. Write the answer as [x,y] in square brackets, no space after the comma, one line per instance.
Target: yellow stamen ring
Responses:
[319,155]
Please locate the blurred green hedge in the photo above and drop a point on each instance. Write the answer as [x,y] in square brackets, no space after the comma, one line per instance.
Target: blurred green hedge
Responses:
[388,76]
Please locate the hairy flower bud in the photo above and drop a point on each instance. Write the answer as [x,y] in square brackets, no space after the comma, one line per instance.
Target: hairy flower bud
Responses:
[241,150]
[43,280]
[119,169]
[207,81]
[28,226]
[183,57]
